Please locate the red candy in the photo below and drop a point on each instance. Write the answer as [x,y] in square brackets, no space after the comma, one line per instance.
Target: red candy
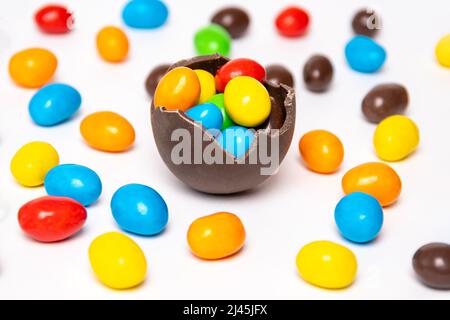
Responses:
[292,22]
[54,19]
[237,68]
[50,219]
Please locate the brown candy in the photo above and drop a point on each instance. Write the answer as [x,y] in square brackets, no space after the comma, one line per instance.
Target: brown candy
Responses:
[385,100]
[234,20]
[318,73]
[432,265]
[154,77]
[277,74]
[366,22]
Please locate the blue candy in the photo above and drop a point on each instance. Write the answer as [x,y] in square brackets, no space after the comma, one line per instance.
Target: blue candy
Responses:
[359,217]
[208,114]
[53,104]
[236,140]
[364,54]
[74,181]
[139,209]
[145,14]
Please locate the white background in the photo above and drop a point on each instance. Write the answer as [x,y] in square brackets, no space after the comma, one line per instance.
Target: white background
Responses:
[290,210]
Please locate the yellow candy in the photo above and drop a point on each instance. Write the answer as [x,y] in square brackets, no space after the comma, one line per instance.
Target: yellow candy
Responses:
[395,138]
[32,162]
[443,51]
[247,101]
[207,85]
[327,264]
[117,260]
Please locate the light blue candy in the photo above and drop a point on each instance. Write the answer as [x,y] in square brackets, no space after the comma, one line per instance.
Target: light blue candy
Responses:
[53,104]
[365,55]
[74,181]
[236,140]
[208,114]
[359,217]
[139,209]
[145,14]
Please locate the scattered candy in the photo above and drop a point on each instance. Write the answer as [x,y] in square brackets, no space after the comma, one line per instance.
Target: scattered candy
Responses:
[443,51]
[279,74]
[321,151]
[366,22]
[374,178]
[292,22]
[385,100]
[237,68]
[112,44]
[32,68]
[107,131]
[247,101]
[207,85]
[365,55]
[318,73]
[216,236]
[117,261]
[218,100]
[208,114]
[212,39]
[145,14]
[53,104]
[395,138]
[179,89]
[32,162]
[54,19]
[234,20]
[327,264]
[50,219]
[431,263]
[74,181]
[155,77]
[236,140]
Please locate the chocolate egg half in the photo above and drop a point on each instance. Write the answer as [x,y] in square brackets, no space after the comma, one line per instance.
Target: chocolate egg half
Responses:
[199,167]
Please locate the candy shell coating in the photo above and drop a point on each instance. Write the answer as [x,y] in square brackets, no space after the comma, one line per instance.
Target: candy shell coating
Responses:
[292,22]
[236,140]
[212,39]
[207,85]
[238,68]
[145,14]
[364,54]
[208,114]
[54,19]
[218,100]
[442,51]
[112,44]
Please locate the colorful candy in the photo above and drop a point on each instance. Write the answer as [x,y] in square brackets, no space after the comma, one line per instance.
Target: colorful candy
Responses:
[395,138]
[32,162]
[107,131]
[442,51]
[366,22]
[292,22]
[237,68]
[54,19]
[112,44]
[218,100]
[236,140]
[145,14]
[431,263]
[212,39]
[327,265]
[53,104]
[359,217]
[50,219]
[321,151]
[234,20]
[247,101]
[318,73]
[179,89]
[74,181]
[139,209]
[279,74]
[208,114]
[155,77]
[117,261]
[374,178]
[216,236]
[365,55]
[207,85]
[32,68]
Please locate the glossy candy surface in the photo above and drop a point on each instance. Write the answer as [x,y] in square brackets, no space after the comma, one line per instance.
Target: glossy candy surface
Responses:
[374,178]
[145,14]
[232,19]
[212,39]
[50,219]
[364,55]
[208,114]
[207,85]
[117,260]
[327,264]
[179,89]
[155,77]
[292,22]
[107,131]
[359,217]
[74,181]
[277,74]
[32,68]
[236,140]
[31,163]
[54,19]
[247,101]
[318,73]
[53,104]
[218,100]
[366,22]
[237,68]
[321,151]
[431,263]
[216,236]
[442,51]
[395,138]
[112,44]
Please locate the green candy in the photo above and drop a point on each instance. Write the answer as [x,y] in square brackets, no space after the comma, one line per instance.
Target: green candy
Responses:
[212,39]
[217,99]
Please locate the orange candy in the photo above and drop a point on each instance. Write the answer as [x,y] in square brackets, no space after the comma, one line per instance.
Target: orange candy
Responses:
[32,68]
[374,178]
[107,131]
[321,151]
[112,44]
[179,89]
[216,236]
